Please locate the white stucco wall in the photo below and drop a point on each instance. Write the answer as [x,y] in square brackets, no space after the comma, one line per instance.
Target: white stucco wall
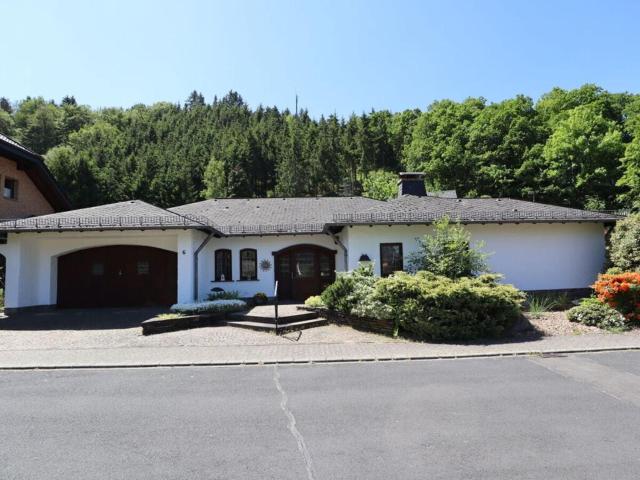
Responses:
[31,277]
[544,256]
[265,246]
[531,256]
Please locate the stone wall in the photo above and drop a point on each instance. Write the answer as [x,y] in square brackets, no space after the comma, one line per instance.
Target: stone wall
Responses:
[367,324]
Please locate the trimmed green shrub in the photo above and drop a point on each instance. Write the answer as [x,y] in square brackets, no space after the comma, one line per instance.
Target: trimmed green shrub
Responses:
[260,298]
[212,306]
[169,316]
[438,308]
[343,294]
[224,295]
[594,313]
[624,245]
[448,252]
[314,302]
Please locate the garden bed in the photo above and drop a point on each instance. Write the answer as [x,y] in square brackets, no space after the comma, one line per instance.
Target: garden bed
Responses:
[166,323]
[365,324]
[553,324]
[193,315]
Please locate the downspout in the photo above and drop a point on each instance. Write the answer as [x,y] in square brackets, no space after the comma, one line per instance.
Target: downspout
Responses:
[344,249]
[195,265]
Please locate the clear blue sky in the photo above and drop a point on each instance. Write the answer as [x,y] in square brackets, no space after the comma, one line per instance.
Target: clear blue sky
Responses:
[339,56]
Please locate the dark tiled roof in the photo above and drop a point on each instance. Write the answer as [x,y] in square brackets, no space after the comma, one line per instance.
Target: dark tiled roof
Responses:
[16,144]
[270,216]
[264,216]
[410,209]
[129,215]
[36,169]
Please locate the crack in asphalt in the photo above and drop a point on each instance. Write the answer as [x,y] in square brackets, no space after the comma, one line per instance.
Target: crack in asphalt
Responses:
[302,446]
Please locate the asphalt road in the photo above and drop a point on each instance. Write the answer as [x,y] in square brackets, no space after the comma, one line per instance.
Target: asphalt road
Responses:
[575,417]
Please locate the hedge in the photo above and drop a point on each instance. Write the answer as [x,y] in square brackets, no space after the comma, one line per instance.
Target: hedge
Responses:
[211,306]
[439,308]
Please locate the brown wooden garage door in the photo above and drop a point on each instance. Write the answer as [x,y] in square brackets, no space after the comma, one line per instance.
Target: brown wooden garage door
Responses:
[117,276]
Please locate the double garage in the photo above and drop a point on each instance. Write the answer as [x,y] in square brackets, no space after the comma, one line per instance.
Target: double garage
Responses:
[117,276]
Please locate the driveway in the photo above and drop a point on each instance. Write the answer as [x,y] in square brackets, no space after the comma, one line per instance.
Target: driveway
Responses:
[505,418]
[120,328]
[79,319]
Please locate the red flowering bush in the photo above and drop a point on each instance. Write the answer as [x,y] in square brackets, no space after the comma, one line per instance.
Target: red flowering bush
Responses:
[622,292]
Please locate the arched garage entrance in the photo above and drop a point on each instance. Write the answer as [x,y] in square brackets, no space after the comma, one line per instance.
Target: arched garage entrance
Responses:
[304,270]
[117,276]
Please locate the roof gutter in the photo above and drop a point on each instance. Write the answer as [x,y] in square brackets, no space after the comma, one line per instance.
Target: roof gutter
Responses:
[195,264]
[345,252]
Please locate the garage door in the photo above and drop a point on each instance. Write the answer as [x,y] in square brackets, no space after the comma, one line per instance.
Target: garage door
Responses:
[117,276]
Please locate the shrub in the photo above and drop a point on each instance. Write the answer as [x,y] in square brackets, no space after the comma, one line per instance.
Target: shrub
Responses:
[343,294]
[594,313]
[260,298]
[212,306]
[224,295]
[439,308]
[622,292]
[169,316]
[314,302]
[624,244]
[448,252]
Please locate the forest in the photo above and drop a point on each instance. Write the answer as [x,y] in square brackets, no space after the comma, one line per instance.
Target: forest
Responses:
[577,147]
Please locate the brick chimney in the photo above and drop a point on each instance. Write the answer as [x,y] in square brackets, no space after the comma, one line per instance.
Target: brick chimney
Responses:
[411,183]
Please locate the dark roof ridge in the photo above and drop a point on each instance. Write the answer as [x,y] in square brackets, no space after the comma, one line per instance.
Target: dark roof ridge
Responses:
[317,197]
[16,143]
[111,216]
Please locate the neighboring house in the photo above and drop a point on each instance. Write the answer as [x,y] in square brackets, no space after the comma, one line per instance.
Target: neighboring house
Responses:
[26,185]
[132,253]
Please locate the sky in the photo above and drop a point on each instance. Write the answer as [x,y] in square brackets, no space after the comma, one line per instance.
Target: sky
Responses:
[338,56]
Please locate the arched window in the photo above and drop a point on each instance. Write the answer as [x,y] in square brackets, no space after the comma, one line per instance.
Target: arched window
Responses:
[248,264]
[223,265]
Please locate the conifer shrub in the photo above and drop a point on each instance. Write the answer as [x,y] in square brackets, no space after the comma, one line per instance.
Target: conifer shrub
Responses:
[439,308]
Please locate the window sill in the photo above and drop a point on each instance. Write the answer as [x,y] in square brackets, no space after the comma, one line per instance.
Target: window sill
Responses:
[249,280]
[222,281]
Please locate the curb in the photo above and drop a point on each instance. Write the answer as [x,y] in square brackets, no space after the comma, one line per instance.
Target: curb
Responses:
[325,361]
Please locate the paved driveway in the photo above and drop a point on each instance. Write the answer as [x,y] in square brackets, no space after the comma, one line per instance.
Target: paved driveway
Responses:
[120,327]
[79,319]
[509,418]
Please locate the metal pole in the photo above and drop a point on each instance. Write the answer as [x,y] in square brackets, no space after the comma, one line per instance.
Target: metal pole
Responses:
[275,305]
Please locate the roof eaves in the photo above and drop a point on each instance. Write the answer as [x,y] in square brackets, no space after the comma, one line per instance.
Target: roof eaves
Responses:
[15,151]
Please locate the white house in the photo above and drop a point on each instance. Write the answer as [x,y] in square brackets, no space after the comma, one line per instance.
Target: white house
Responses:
[133,253]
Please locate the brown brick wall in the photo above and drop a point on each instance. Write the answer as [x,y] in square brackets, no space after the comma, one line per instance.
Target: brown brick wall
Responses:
[29,202]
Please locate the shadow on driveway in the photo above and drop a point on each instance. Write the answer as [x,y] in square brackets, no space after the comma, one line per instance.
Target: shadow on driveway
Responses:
[80,319]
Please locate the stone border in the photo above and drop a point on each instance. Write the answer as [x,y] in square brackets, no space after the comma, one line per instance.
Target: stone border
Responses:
[162,325]
[301,361]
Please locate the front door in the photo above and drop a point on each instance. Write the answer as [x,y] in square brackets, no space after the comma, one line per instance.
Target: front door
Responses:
[303,271]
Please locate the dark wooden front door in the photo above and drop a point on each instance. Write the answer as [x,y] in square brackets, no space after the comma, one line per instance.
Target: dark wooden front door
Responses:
[303,271]
[117,276]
